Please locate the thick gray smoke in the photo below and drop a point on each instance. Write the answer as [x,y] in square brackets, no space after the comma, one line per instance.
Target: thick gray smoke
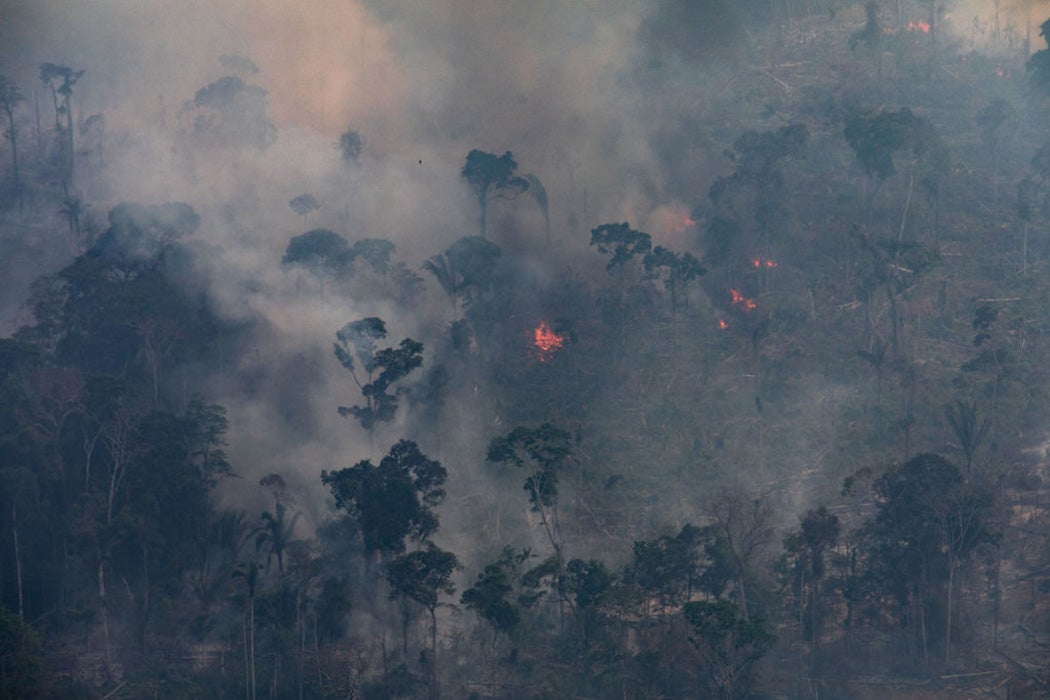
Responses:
[597,99]
[421,82]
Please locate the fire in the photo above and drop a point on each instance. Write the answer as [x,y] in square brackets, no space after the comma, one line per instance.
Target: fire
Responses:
[722,324]
[759,262]
[681,225]
[919,26]
[547,341]
[741,300]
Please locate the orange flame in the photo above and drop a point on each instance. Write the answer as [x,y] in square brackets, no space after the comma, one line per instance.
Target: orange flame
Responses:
[680,226]
[920,26]
[758,262]
[722,324]
[547,341]
[741,300]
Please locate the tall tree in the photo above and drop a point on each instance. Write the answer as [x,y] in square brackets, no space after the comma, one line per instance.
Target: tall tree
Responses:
[322,252]
[392,501]
[60,80]
[422,576]
[729,642]
[928,521]
[489,176]
[744,524]
[543,452]
[382,368]
[10,96]
[1039,63]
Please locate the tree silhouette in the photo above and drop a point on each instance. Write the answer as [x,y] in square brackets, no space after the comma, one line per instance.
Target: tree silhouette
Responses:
[304,204]
[730,643]
[350,146]
[968,429]
[392,501]
[543,452]
[322,252]
[1038,65]
[466,270]
[381,368]
[60,80]
[422,576]
[10,96]
[928,521]
[489,176]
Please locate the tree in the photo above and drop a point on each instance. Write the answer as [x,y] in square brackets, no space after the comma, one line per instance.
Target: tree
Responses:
[350,146]
[667,570]
[876,136]
[322,252]
[543,452]
[488,596]
[539,193]
[10,96]
[231,113]
[391,501]
[304,204]
[752,205]
[1038,64]
[489,176]
[422,576]
[60,80]
[729,642]
[621,243]
[466,270]
[275,534]
[677,270]
[968,430]
[743,524]
[20,657]
[249,573]
[804,566]
[357,340]
[928,521]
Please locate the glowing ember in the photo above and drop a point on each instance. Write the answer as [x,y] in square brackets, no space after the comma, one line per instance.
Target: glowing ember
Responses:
[547,341]
[740,300]
[758,262]
[722,324]
[919,26]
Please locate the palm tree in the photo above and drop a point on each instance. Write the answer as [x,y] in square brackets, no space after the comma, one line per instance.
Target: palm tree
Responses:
[249,571]
[441,268]
[276,534]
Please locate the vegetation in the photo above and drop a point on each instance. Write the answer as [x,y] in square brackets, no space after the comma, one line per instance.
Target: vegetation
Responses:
[792,444]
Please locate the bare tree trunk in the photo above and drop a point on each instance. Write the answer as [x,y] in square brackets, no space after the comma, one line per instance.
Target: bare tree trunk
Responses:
[251,641]
[103,604]
[18,560]
[433,654]
[948,614]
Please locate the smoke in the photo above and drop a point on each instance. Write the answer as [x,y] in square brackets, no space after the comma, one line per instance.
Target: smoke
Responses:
[599,100]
